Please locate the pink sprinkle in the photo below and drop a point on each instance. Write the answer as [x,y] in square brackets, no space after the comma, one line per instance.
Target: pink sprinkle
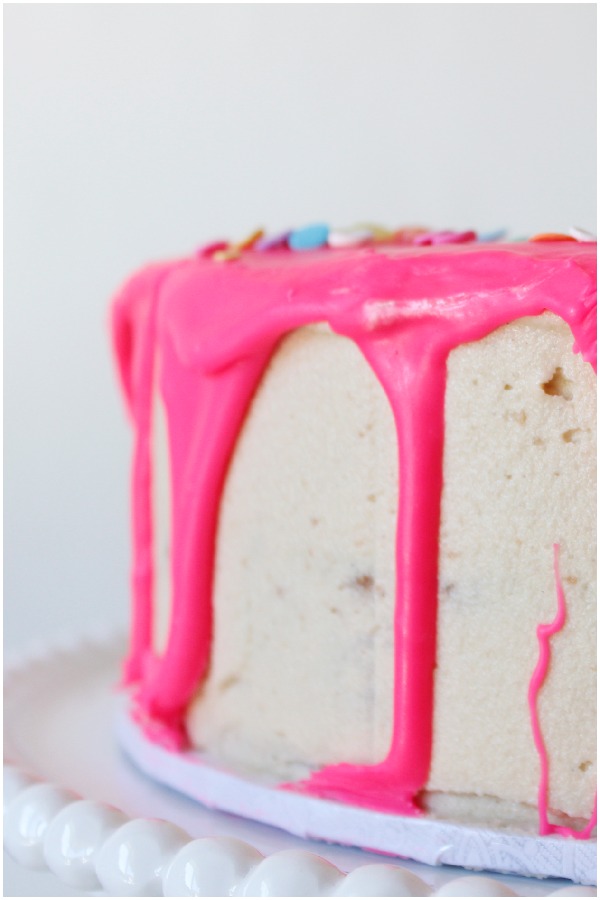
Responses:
[213,247]
[444,237]
[275,242]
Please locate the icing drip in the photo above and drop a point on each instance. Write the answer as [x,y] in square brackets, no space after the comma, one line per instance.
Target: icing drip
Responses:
[133,324]
[544,633]
[215,329]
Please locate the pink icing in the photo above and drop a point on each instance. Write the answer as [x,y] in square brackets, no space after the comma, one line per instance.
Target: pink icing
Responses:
[544,633]
[209,331]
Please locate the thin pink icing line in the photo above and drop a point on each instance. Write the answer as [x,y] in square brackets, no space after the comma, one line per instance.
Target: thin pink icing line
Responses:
[544,633]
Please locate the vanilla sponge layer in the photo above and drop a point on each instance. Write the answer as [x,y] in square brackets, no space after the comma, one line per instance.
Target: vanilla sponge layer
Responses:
[301,674]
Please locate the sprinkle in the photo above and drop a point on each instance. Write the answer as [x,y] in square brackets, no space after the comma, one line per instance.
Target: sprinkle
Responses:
[408,234]
[551,236]
[273,242]
[229,252]
[580,234]
[378,232]
[444,237]
[309,238]
[349,237]
[213,247]
[491,237]
[252,238]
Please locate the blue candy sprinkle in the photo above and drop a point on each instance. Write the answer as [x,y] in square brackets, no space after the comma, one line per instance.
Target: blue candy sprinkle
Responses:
[309,238]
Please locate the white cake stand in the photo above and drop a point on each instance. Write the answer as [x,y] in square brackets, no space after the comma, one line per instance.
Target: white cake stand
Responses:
[76,806]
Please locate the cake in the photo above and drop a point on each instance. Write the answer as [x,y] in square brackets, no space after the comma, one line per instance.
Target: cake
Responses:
[364,520]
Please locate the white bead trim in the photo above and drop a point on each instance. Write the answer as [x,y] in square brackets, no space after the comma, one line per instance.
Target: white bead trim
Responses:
[91,846]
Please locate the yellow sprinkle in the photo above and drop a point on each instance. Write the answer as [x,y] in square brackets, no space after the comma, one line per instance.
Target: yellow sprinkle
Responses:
[250,240]
[234,251]
[379,232]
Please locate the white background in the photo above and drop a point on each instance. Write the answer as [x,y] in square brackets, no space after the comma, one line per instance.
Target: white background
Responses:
[136,132]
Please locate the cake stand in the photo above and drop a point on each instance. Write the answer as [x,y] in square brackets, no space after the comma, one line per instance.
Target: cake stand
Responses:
[76,806]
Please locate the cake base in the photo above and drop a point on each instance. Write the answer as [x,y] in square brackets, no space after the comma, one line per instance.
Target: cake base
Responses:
[425,839]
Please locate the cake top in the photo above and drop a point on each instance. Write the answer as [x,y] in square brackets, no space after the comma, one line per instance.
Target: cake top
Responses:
[320,235]
[221,305]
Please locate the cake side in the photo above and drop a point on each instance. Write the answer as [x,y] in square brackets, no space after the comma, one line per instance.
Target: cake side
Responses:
[519,477]
[289,596]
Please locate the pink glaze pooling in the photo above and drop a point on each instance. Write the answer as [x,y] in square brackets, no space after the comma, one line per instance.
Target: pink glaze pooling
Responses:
[544,633]
[210,329]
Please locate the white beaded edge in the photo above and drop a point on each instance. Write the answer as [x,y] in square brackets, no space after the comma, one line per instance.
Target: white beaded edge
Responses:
[92,846]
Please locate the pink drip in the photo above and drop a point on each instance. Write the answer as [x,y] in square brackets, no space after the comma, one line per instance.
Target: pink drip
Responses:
[134,334]
[544,633]
[215,328]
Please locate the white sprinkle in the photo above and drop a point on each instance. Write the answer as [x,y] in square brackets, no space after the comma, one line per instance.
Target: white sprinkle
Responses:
[349,237]
[580,234]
